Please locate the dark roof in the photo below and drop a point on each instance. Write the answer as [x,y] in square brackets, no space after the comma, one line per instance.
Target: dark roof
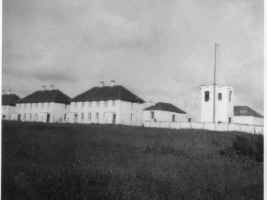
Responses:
[43,96]
[108,93]
[245,111]
[165,107]
[9,99]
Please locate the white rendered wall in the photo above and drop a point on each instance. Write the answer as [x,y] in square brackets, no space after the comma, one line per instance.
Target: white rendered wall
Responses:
[249,120]
[223,107]
[127,113]
[164,116]
[9,112]
[38,111]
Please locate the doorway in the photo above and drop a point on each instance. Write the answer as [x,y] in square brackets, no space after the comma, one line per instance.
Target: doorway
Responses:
[19,117]
[114,119]
[48,118]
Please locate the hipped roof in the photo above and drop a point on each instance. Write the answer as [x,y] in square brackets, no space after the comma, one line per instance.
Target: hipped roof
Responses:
[245,111]
[108,93]
[46,96]
[9,99]
[165,107]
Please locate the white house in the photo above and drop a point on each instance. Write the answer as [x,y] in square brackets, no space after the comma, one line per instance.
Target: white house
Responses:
[9,106]
[164,112]
[246,115]
[43,106]
[223,107]
[112,104]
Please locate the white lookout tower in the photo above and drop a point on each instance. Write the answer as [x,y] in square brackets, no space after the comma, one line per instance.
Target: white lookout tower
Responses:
[223,109]
[216,101]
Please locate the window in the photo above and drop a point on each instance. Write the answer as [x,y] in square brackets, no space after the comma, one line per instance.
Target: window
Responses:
[173,118]
[82,104]
[230,95]
[30,105]
[30,115]
[132,105]
[89,116]
[97,116]
[220,96]
[131,116]
[113,102]
[207,95]
[152,114]
[189,119]
[97,103]
[24,116]
[82,116]
[89,104]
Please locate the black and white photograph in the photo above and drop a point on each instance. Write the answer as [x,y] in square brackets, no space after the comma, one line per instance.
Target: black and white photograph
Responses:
[132,100]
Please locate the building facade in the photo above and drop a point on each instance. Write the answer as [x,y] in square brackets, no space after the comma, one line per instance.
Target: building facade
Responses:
[9,111]
[248,116]
[106,105]
[164,112]
[223,104]
[43,106]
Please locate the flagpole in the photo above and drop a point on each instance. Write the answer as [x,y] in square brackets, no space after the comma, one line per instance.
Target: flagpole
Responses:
[214,82]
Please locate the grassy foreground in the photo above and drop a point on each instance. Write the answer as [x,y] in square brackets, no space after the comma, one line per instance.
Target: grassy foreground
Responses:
[63,161]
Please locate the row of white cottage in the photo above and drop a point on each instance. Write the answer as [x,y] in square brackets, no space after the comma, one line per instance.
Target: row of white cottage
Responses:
[103,105]
[117,105]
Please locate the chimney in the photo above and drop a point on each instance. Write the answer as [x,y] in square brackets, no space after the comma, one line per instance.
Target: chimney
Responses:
[102,83]
[112,82]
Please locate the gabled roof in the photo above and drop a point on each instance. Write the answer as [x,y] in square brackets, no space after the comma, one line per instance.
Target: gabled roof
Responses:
[9,99]
[46,96]
[165,107]
[108,93]
[245,111]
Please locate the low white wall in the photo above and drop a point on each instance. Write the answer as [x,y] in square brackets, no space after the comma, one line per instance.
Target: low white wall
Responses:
[206,126]
[249,120]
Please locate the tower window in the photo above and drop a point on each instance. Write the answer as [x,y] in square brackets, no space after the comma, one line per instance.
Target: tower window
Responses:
[207,96]
[220,96]
[230,95]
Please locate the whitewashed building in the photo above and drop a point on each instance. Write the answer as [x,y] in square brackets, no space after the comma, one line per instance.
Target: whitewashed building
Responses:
[164,112]
[223,103]
[43,106]
[248,116]
[112,104]
[9,106]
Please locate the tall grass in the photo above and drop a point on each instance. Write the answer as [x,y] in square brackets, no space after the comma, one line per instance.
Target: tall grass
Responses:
[64,161]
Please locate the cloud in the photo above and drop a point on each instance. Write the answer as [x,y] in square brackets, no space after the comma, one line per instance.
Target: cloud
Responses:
[159,49]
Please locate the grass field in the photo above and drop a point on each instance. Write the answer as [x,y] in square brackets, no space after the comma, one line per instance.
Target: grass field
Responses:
[63,161]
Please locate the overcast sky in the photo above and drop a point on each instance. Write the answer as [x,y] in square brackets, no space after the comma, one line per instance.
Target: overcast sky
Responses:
[162,50]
